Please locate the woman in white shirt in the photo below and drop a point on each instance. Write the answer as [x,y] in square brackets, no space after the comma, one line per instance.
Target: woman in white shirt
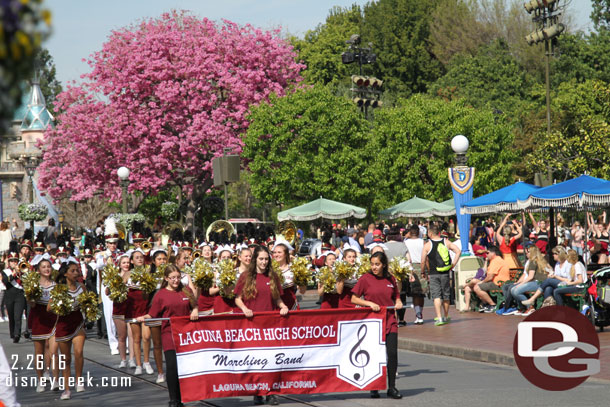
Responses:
[577,276]
[559,277]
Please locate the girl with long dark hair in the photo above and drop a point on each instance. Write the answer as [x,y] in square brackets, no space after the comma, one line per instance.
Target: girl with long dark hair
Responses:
[260,289]
[173,299]
[69,329]
[159,258]
[375,289]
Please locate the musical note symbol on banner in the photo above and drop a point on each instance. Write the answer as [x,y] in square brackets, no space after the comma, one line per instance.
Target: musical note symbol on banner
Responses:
[358,357]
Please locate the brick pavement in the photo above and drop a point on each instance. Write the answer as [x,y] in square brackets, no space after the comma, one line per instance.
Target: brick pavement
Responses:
[479,337]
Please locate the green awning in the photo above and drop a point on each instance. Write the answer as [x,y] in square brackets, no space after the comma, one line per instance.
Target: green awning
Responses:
[419,208]
[322,208]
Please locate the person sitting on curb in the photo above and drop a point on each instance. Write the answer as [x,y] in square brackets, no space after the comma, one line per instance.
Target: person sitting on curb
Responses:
[511,304]
[497,271]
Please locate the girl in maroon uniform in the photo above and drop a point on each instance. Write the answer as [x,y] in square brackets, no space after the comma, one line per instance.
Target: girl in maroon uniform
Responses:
[137,304]
[259,289]
[173,299]
[281,254]
[205,300]
[69,328]
[119,309]
[42,322]
[159,258]
[330,300]
[378,288]
[344,287]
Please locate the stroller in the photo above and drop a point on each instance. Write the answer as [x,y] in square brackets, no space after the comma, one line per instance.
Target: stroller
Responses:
[597,307]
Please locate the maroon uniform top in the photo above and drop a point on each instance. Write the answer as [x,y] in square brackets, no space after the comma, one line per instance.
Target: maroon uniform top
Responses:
[263,301]
[169,304]
[345,298]
[383,292]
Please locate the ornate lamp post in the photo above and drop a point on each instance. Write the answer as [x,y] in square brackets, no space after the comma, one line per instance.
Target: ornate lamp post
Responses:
[30,164]
[123,174]
[461,178]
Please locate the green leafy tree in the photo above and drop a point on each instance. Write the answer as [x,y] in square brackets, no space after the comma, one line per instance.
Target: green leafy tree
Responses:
[49,85]
[321,48]
[410,150]
[600,14]
[583,57]
[581,138]
[399,31]
[491,78]
[306,145]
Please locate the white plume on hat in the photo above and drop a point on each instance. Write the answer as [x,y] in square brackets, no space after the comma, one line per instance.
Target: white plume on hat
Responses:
[110,228]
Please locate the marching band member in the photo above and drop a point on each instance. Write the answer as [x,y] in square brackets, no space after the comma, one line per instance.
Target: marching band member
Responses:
[344,287]
[69,328]
[259,289]
[13,296]
[181,261]
[329,300]
[159,258]
[379,288]
[205,300]
[224,303]
[111,236]
[119,309]
[42,322]
[173,299]
[137,302]
[281,254]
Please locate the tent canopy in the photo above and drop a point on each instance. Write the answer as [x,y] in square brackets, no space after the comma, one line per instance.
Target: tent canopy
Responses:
[565,194]
[418,207]
[322,208]
[503,200]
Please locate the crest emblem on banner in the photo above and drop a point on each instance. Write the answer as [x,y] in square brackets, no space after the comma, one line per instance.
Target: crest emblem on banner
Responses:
[461,178]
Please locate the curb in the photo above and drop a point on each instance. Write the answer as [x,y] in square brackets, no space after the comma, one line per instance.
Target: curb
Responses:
[441,349]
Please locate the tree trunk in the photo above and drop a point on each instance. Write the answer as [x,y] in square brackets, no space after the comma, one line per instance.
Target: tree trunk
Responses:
[191,207]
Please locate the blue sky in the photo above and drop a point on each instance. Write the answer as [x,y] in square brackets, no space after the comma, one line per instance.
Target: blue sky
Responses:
[81,27]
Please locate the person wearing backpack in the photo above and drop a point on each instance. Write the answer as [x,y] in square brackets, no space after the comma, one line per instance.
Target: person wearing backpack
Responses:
[436,259]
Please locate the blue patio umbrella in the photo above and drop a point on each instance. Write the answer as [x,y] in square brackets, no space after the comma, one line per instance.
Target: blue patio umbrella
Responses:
[565,194]
[503,200]
[596,197]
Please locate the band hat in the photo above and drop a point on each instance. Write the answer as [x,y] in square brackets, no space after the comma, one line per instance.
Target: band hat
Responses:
[348,247]
[40,257]
[13,256]
[225,248]
[111,233]
[283,242]
[373,245]
[25,243]
[155,250]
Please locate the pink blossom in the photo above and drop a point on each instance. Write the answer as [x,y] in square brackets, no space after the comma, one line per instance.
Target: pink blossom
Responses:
[163,98]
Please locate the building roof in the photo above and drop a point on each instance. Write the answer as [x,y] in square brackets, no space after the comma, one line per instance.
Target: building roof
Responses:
[37,117]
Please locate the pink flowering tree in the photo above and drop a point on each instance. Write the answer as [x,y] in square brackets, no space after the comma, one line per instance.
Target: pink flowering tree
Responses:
[163,98]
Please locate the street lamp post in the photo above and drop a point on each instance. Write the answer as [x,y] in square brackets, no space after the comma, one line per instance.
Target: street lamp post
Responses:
[461,178]
[123,174]
[30,165]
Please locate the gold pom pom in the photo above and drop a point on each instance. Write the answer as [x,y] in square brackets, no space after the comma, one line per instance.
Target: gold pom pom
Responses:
[327,279]
[364,264]
[227,277]
[344,270]
[400,268]
[61,301]
[142,276]
[112,279]
[203,274]
[301,269]
[31,285]
[89,306]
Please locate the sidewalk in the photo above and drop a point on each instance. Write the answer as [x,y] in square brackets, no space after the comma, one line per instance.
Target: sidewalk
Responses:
[475,336]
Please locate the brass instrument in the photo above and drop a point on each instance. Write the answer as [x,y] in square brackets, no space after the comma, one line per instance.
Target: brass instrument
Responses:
[167,231]
[218,227]
[196,254]
[146,246]
[122,231]
[288,231]
[24,266]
